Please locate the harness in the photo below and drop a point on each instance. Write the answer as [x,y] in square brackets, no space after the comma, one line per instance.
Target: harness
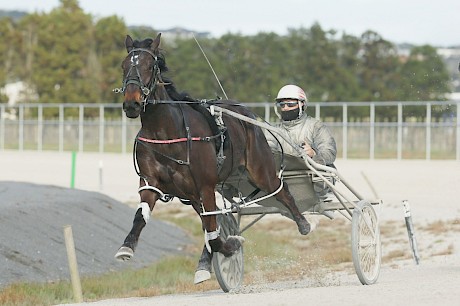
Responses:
[133,76]
[139,140]
[220,156]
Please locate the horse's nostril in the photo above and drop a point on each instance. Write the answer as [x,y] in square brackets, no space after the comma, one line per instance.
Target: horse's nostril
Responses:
[131,108]
[130,104]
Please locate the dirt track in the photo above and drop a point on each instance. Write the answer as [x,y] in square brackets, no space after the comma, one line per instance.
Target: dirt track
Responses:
[432,283]
[430,187]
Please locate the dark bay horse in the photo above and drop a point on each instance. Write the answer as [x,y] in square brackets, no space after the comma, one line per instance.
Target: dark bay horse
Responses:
[177,150]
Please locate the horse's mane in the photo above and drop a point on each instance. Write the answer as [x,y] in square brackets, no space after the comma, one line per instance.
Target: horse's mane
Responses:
[170,87]
[174,94]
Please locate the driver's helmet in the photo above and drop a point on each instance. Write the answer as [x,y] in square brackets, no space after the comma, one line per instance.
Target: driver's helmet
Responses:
[291,92]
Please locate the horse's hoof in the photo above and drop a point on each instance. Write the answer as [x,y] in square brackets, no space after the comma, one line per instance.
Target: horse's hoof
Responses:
[304,226]
[201,276]
[239,238]
[124,254]
[233,244]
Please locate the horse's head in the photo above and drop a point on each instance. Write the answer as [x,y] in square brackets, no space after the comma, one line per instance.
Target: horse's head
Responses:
[141,71]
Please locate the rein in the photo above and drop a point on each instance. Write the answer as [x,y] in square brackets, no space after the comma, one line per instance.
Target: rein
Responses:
[202,102]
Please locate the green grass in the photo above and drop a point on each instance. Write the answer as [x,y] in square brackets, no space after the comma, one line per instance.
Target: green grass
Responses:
[167,276]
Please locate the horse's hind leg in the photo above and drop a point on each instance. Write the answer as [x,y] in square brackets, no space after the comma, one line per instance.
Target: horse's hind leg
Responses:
[285,197]
[263,174]
[148,200]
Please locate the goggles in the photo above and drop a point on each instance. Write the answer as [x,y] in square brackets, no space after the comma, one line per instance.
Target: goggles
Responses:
[288,104]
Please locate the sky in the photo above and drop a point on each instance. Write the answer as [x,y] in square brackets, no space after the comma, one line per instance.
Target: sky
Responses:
[434,22]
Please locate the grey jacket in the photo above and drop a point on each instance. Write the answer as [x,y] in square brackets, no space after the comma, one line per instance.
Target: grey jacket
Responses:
[306,130]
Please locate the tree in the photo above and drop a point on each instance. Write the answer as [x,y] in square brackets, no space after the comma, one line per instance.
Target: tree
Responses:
[348,85]
[189,70]
[61,65]
[379,68]
[7,34]
[110,51]
[424,76]
[66,56]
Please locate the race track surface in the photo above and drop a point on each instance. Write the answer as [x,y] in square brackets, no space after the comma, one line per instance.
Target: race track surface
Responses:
[31,233]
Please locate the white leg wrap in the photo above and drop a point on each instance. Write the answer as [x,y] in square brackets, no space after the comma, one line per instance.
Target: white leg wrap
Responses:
[210,236]
[145,210]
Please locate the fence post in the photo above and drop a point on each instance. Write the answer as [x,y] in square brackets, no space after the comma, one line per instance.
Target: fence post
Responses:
[2,127]
[101,128]
[428,132]
[345,130]
[458,132]
[372,132]
[81,132]
[40,128]
[21,127]
[399,149]
[267,112]
[61,128]
[123,132]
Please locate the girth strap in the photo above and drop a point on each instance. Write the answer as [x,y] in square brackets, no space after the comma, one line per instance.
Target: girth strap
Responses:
[176,140]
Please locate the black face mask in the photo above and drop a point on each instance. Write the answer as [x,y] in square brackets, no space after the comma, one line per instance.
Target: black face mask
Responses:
[290,115]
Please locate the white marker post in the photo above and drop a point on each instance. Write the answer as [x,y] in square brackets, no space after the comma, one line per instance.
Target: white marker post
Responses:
[410,231]
[101,175]
[73,267]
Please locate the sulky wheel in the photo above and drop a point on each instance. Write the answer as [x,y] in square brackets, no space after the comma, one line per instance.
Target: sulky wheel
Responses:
[228,270]
[366,247]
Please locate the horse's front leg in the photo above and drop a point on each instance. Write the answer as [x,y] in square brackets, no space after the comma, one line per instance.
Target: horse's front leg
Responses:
[213,241]
[142,216]
[203,270]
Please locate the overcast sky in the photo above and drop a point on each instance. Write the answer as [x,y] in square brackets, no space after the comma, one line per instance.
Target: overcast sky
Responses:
[434,22]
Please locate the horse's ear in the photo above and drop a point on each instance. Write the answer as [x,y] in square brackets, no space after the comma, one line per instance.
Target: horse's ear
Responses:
[156,42]
[129,43]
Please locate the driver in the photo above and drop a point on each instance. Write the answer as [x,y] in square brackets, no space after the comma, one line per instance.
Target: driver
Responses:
[308,132]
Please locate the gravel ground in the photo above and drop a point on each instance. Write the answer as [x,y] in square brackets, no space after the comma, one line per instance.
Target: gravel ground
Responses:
[32,246]
[431,187]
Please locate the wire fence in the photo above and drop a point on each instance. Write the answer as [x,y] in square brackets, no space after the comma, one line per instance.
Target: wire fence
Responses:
[398,130]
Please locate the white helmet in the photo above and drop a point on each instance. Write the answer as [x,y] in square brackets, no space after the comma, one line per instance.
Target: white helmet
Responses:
[291,92]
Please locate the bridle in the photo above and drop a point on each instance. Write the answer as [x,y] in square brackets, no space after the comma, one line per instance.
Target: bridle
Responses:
[134,77]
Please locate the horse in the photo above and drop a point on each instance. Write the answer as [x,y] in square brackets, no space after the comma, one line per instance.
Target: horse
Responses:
[180,153]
